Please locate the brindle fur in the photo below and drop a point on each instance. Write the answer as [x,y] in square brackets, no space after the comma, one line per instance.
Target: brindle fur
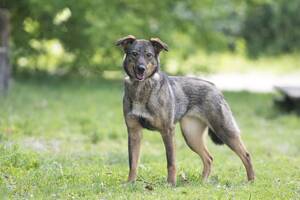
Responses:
[159,101]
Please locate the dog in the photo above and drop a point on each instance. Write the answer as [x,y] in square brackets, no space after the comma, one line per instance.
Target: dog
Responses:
[156,101]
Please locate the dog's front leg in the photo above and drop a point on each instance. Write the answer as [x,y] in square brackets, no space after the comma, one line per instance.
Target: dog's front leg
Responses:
[168,138]
[134,143]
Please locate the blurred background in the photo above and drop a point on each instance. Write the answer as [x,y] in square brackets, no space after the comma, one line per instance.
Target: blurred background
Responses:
[64,37]
[62,132]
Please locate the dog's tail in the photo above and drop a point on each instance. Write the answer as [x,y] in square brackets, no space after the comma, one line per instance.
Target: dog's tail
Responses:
[214,137]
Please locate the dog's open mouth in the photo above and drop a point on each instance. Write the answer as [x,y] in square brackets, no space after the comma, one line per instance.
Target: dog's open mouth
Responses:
[140,76]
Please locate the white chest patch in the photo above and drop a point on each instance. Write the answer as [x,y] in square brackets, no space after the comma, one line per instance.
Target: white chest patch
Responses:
[156,76]
[140,110]
[127,80]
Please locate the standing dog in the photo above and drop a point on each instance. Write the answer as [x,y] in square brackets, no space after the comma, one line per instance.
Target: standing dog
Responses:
[155,101]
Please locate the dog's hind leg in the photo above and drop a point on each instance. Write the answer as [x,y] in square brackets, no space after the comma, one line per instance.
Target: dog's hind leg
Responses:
[237,145]
[225,128]
[232,138]
[193,131]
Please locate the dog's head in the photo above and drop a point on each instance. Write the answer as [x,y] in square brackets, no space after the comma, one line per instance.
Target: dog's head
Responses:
[141,59]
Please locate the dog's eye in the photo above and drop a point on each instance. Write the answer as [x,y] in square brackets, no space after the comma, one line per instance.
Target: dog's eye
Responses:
[134,54]
[149,55]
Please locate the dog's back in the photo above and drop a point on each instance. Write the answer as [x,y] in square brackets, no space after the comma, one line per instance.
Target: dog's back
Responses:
[204,101]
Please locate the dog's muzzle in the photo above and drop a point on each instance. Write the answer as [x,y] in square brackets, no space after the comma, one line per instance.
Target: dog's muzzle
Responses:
[140,72]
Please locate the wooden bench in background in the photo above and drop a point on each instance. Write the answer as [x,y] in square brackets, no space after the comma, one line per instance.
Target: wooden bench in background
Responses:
[290,98]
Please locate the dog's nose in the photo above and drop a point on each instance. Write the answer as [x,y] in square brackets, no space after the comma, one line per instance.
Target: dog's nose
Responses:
[141,68]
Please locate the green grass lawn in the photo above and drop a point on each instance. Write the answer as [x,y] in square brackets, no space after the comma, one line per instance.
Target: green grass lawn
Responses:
[66,139]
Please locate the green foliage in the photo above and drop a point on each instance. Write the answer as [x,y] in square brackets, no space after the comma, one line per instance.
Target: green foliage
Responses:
[65,36]
[77,148]
[80,35]
[272,27]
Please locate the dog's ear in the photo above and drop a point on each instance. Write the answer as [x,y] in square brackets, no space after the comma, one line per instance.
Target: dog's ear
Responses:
[125,42]
[158,45]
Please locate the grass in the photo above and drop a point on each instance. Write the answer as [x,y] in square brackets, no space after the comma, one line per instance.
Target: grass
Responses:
[66,139]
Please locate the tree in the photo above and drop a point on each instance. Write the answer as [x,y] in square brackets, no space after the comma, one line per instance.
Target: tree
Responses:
[4,58]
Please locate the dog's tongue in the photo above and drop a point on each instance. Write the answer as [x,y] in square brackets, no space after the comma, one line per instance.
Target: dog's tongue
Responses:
[140,76]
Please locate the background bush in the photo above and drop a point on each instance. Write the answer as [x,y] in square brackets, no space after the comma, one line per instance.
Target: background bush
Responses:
[78,36]
[272,27]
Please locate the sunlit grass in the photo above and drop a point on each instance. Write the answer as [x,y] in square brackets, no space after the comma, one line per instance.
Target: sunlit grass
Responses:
[65,138]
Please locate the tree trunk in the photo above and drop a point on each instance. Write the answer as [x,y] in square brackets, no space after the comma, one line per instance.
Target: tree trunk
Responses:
[4,53]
